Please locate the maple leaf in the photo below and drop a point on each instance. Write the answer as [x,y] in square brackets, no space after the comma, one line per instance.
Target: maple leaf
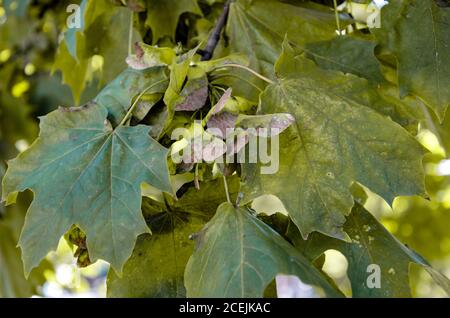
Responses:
[83,172]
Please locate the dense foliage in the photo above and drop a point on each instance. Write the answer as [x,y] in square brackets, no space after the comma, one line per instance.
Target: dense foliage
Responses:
[348,91]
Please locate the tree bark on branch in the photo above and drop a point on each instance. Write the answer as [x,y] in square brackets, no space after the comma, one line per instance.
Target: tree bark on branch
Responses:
[214,38]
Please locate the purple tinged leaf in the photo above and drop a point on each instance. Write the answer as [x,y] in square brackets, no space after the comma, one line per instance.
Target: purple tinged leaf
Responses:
[194,94]
[222,102]
[222,122]
[195,100]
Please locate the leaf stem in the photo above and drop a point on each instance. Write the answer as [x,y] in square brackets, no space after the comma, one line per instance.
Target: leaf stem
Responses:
[219,76]
[214,38]
[225,184]
[130,33]
[248,70]
[336,15]
[130,111]
[196,181]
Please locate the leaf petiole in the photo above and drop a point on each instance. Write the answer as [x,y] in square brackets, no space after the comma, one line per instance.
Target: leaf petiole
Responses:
[133,106]
[225,184]
[219,76]
[336,14]
[130,33]
[248,70]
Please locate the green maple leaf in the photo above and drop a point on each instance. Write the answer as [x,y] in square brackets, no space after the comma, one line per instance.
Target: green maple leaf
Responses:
[337,139]
[371,244]
[251,31]
[195,92]
[85,173]
[156,268]
[237,255]
[407,112]
[347,54]
[163,16]
[355,55]
[422,60]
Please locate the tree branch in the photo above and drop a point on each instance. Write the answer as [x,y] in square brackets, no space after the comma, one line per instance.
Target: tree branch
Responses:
[214,38]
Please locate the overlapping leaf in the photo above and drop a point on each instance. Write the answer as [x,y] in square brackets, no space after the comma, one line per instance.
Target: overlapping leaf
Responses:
[335,141]
[237,255]
[163,16]
[156,268]
[179,71]
[118,94]
[104,31]
[417,33]
[85,173]
[251,31]
[371,245]
[347,54]
[87,169]
[355,55]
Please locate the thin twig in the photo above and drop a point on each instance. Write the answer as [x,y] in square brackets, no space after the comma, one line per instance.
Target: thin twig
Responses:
[219,76]
[214,38]
[248,69]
